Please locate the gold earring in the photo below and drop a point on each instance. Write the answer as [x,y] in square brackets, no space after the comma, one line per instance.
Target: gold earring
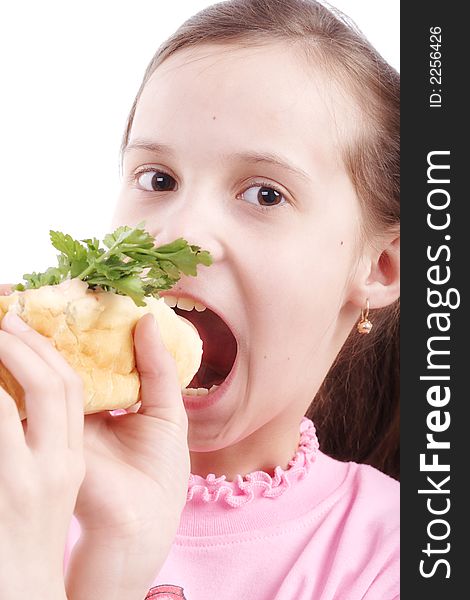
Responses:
[364,325]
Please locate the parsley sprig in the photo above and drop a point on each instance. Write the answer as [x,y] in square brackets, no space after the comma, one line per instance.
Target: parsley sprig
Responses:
[130,264]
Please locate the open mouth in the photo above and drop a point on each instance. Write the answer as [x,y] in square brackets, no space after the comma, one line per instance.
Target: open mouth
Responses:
[219,345]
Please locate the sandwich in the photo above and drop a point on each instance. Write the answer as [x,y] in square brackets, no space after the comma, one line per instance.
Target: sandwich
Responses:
[89,304]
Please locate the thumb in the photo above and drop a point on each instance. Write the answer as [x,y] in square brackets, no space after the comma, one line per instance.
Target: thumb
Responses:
[6,289]
[160,392]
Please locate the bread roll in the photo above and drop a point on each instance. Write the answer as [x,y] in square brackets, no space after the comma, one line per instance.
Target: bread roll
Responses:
[94,332]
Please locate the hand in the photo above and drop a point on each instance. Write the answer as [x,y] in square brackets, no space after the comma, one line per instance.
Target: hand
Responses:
[41,463]
[137,471]
[137,464]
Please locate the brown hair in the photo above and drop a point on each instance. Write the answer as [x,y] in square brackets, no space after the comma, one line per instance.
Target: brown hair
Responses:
[356,410]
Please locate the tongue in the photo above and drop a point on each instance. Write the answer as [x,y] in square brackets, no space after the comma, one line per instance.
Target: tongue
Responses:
[206,377]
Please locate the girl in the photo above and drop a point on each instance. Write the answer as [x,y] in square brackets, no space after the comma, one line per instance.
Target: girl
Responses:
[265,131]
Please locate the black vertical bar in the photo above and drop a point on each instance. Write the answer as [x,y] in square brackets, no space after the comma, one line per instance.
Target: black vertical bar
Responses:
[435,120]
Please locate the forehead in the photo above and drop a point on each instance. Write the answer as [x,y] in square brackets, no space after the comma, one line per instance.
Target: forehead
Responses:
[230,98]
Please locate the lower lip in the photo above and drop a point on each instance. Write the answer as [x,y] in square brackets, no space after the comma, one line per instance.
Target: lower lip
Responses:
[200,402]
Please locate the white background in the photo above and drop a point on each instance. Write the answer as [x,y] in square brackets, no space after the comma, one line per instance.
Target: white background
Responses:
[69,74]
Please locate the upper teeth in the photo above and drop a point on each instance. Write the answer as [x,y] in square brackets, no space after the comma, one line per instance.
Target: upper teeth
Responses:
[184,303]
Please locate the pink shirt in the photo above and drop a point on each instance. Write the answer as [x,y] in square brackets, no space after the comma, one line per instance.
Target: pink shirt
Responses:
[319,530]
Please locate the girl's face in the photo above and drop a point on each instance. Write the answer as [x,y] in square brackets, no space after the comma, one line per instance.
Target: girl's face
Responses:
[236,150]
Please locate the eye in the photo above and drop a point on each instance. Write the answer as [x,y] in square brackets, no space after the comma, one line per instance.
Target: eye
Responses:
[152,180]
[264,194]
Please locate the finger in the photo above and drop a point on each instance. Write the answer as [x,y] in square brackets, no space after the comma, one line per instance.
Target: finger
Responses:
[72,382]
[160,389]
[12,440]
[6,289]
[44,391]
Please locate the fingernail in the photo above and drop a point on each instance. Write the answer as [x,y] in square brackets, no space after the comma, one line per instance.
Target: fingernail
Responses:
[156,334]
[152,318]
[14,323]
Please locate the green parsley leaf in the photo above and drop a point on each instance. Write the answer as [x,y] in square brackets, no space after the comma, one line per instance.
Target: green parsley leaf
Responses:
[130,264]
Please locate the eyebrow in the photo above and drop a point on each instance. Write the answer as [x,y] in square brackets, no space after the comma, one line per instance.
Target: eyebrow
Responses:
[267,158]
[154,147]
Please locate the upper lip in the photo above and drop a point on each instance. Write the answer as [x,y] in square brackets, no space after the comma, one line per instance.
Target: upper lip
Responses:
[179,293]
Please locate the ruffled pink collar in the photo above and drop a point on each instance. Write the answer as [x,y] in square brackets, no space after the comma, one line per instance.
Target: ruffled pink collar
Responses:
[244,489]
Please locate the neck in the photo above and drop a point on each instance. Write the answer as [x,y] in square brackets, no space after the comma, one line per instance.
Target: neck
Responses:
[270,446]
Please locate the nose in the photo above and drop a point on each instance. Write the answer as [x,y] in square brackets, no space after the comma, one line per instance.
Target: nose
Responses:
[193,219]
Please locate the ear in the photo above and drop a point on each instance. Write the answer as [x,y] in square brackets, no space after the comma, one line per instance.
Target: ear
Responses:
[378,277]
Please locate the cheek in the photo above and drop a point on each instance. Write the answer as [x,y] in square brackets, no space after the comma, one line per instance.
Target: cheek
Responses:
[122,211]
[298,294]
